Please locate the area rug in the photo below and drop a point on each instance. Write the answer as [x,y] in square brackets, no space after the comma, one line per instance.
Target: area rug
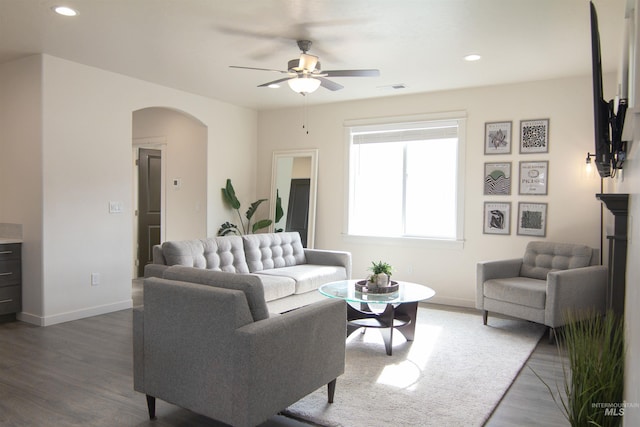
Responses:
[454,373]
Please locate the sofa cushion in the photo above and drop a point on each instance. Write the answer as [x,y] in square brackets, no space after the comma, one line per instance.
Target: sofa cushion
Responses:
[250,284]
[308,277]
[189,253]
[215,253]
[542,257]
[276,287]
[273,250]
[518,290]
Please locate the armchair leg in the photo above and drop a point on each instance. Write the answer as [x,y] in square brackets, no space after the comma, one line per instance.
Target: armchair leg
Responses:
[331,389]
[151,406]
[485,316]
[552,335]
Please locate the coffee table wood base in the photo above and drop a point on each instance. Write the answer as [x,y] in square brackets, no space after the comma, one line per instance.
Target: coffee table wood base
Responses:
[400,316]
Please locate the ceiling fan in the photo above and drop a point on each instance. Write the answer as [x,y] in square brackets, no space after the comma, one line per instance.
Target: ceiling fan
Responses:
[304,74]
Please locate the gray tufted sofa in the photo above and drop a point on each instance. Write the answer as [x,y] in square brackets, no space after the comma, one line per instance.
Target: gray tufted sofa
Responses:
[550,280]
[289,273]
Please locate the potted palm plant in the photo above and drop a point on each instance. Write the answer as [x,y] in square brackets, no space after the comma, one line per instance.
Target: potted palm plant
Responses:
[594,377]
[229,196]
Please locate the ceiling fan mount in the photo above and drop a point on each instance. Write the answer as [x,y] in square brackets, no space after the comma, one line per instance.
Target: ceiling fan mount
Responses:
[304,45]
[304,74]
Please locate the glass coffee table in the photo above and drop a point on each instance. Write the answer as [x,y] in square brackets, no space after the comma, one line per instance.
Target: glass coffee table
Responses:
[396,310]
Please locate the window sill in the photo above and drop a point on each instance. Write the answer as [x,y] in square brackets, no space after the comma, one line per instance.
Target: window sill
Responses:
[419,242]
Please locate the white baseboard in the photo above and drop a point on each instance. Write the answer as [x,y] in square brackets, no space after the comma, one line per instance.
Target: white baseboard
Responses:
[456,302]
[74,315]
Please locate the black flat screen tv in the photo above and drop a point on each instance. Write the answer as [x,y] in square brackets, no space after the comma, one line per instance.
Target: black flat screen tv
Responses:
[608,123]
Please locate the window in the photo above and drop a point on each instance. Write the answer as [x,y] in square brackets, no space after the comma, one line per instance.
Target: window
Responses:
[405,179]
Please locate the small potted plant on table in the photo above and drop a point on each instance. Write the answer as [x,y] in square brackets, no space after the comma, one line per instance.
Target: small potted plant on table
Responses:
[381,276]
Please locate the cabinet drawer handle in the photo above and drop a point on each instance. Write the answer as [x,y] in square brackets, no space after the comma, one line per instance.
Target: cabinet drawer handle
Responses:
[6,274]
[6,252]
[5,301]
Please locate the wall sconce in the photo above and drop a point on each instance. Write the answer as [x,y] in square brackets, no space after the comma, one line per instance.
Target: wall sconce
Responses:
[589,165]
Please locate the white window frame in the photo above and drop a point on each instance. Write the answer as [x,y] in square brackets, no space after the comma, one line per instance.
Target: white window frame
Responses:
[408,122]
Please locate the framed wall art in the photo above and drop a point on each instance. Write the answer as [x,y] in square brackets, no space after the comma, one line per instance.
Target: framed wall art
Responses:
[534,136]
[534,178]
[497,179]
[497,138]
[532,219]
[497,218]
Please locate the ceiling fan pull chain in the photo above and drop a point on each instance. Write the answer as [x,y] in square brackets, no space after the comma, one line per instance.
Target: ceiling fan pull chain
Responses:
[305,115]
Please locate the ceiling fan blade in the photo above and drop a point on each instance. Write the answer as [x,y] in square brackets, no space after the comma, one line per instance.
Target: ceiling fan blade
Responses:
[328,84]
[259,69]
[275,82]
[352,73]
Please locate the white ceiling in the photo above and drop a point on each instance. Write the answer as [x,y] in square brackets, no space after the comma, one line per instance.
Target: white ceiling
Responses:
[189,44]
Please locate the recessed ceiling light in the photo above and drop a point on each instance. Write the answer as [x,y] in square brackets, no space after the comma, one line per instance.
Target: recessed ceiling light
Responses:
[65,11]
[472,57]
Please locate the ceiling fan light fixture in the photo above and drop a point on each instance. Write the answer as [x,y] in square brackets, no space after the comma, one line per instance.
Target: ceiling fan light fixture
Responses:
[304,84]
[308,62]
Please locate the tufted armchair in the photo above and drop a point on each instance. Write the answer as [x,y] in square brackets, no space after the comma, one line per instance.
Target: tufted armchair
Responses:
[209,345]
[550,280]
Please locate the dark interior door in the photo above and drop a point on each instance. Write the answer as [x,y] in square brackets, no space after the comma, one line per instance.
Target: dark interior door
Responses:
[149,205]
[298,210]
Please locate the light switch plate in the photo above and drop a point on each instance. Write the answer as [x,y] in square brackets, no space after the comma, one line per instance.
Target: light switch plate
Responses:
[115,207]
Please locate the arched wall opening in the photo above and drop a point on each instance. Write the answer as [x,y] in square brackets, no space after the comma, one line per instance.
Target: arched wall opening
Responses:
[181,142]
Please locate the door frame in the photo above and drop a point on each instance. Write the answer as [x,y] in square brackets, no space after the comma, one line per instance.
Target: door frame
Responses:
[155,143]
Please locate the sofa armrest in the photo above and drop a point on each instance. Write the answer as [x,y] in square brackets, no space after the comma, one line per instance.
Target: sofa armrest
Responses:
[154,270]
[579,290]
[157,256]
[284,358]
[326,257]
[499,269]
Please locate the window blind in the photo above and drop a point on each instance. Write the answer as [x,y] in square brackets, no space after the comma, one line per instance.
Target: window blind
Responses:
[408,132]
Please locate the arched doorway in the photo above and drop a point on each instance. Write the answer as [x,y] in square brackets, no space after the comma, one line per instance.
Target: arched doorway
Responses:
[170,179]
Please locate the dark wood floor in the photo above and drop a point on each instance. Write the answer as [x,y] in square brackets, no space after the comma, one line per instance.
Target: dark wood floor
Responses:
[528,401]
[79,374]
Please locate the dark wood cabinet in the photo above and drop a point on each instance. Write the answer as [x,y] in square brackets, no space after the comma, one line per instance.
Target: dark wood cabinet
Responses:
[10,280]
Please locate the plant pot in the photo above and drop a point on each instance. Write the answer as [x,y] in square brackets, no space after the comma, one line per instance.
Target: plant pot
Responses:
[381,280]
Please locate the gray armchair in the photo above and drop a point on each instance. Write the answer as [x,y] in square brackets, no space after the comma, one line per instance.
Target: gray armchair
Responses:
[214,350]
[550,280]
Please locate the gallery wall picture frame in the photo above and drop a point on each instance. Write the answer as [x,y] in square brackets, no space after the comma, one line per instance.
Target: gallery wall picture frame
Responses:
[534,178]
[497,178]
[532,219]
[534,136]
[497,218]
[497,137]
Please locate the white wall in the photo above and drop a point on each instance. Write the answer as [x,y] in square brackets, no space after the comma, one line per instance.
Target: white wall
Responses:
[21,166]
[631,185]
[185,158]
[86,117]
[573,211]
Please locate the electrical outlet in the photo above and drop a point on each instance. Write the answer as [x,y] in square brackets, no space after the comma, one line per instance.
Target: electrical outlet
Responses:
[95,279]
